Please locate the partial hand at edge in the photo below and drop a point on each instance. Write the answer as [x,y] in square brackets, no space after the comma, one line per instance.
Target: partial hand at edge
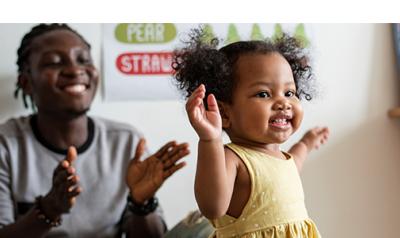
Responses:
[315,137]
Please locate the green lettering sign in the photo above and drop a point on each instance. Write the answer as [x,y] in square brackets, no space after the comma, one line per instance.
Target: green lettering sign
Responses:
[145,33]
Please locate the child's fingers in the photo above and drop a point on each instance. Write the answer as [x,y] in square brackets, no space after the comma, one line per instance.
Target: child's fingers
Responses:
[193,104]
[320,131]
[196,99]
[324,130]
[212,103]
[325,133]
[316,129]
[199,92]
[201,88]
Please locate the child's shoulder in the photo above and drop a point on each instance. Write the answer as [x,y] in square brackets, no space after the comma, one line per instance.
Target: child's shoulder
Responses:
[230,152]
[232,157]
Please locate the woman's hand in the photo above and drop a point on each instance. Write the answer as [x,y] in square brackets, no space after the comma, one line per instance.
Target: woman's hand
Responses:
[145,177]
[207,123]
[62,194]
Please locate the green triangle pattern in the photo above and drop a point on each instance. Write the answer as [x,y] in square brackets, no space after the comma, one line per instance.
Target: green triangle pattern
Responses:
[256,33]
[233,35]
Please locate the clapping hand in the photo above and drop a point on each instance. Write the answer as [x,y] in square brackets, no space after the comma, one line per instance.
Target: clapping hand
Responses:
[145,177]
[65,188]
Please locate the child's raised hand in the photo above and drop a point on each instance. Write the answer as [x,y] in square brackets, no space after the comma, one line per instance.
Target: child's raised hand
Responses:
[315,137]
[207,123]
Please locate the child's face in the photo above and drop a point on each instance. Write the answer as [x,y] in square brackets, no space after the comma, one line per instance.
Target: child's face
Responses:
[264,109]
[60,73]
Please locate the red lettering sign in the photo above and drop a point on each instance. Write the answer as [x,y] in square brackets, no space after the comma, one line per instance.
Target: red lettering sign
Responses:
[154,63]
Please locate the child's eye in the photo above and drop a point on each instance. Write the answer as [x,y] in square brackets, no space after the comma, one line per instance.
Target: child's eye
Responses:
[263,95]
[290,94]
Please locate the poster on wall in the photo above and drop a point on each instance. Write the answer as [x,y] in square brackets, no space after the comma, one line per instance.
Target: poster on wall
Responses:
[137,57]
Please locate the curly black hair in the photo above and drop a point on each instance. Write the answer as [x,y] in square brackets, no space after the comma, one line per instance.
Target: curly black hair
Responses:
[25,49]
[201,62]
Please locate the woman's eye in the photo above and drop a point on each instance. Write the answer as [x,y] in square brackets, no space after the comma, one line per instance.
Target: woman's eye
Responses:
[51,60]
[52,63]
[84,60]
[263,95]
[290,94]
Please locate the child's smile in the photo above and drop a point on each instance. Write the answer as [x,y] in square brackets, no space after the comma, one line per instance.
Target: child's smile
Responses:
[281,121]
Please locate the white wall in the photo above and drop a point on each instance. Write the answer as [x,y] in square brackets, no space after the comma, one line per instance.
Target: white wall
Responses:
[351,184]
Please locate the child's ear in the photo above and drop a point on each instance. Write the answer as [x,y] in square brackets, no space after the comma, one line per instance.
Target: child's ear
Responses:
[225,114]
[24,83]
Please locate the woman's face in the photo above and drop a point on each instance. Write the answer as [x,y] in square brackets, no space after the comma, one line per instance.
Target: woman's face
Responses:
[60,75]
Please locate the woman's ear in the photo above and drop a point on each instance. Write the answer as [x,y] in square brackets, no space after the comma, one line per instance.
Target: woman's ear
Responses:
[225,114]
[24,83]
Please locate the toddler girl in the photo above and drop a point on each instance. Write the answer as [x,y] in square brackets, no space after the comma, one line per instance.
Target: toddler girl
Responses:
[252,91]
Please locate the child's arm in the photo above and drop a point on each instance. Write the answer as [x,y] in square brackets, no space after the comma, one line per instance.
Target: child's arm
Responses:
[313,139]
[215,175]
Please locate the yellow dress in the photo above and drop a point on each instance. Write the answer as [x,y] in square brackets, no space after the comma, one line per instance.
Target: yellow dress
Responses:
[276,205]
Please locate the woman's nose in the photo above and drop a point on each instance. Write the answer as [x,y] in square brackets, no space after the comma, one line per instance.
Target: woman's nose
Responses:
[73,70]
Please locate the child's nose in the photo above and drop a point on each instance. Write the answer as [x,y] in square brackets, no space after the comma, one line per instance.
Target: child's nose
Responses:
[282,105]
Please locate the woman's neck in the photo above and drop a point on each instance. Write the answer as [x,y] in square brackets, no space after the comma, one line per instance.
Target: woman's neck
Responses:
[63,132]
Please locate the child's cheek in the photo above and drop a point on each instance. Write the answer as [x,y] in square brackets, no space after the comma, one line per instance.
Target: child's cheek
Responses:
[297,116]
